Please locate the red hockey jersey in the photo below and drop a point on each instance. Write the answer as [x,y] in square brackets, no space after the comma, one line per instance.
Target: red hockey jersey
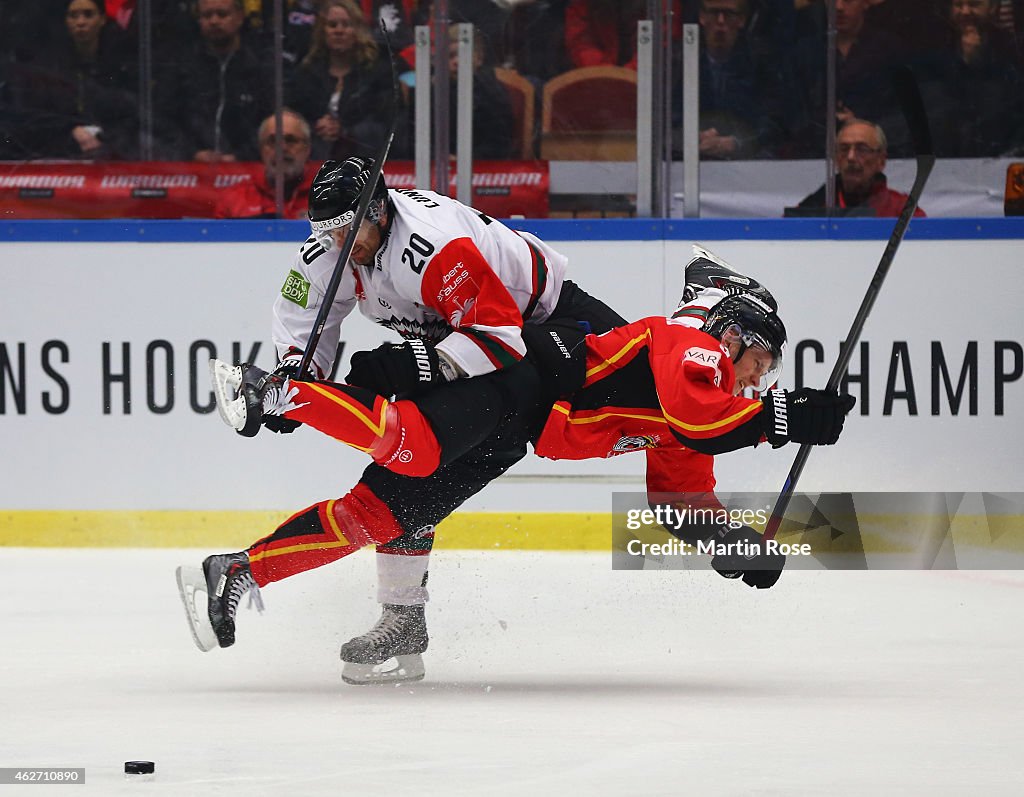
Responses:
[653,384]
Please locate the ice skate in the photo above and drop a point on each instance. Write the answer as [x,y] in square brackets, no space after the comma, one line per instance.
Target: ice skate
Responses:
[224,578]
[246,393]
[707,270]
[390,651]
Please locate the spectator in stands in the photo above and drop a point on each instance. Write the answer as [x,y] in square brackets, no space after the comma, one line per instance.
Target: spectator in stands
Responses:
[173,25]
[861,183]
[298,18]
[976,32]
[76,99]
[602,32]
[740,87]
[343,87]
[864,56]
[774,22]
[493,120]
[982,81]
[255,199]
[218,91]
[535,40]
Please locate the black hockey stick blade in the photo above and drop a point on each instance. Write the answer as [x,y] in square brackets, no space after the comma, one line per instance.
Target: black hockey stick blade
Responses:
[917,121]
[361,209]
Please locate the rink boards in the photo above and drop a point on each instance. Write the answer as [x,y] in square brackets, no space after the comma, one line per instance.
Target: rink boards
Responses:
[107,414]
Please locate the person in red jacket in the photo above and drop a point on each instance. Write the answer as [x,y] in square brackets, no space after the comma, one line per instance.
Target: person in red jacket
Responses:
[860,183]
[254,199]
[656,384]
[602,32]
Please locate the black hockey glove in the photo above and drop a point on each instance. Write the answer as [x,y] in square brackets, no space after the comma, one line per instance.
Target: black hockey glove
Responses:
[396,369]
[557,351]
[742,553]
[804,416]
[286,369]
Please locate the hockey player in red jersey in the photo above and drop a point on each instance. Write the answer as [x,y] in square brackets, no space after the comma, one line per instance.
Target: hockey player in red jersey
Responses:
[658,381]
[461,288]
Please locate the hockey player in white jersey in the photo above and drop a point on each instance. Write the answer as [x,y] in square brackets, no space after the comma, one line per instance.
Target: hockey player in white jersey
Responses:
[426,266]
[459,286]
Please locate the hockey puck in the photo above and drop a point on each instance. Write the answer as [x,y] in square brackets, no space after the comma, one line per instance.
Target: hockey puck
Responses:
[139,767]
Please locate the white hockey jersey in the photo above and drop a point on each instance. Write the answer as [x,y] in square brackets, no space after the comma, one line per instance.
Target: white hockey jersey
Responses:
[445,273]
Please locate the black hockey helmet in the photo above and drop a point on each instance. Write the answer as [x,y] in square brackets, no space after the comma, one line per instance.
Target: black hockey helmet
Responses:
[334,196]
[750,321]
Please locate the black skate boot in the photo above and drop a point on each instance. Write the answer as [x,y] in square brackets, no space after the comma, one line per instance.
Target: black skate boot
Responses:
[210,595]
[245,393]
[400,634]
[228,578]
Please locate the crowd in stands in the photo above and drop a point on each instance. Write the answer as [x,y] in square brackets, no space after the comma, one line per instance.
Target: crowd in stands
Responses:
[70,85]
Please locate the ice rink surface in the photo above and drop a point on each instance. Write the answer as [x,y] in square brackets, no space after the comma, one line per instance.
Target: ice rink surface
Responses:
[547,673]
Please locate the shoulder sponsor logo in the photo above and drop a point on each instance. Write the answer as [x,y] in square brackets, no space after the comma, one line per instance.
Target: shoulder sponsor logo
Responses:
[452,272]
[296,289]
[456,279]
[703,356]
[707,358]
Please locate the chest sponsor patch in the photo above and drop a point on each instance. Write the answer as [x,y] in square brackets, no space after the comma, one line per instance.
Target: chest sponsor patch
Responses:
[706,358]
[296,288]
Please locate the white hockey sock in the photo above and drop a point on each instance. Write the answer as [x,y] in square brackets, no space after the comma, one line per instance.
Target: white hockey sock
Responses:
[401,579]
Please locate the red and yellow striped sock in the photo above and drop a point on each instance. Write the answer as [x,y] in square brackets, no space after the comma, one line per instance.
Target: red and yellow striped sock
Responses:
[395,434]
[323,533]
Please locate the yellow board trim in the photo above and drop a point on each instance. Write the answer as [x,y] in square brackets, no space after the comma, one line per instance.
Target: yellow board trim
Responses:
[234,530]
[532,531]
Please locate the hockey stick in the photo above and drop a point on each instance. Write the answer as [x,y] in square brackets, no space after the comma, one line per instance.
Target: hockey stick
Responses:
[364,204]
[917,121]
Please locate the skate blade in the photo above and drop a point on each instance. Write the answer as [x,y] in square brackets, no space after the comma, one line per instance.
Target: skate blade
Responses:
[191,581]
[227,380]
[396,670]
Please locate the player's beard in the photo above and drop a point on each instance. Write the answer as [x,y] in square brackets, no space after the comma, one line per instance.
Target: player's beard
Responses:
[361,253]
